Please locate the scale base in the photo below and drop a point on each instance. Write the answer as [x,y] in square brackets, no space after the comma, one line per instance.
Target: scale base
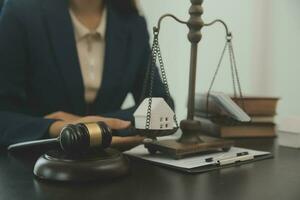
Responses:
[190,142]
[104,165]
[178,150]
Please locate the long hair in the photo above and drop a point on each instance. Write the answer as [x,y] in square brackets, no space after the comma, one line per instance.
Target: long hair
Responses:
[125,6]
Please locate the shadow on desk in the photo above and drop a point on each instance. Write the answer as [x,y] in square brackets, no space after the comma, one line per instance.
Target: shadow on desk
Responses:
[260,144]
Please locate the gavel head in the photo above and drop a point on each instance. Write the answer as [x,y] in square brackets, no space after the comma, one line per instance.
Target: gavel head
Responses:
[80,138]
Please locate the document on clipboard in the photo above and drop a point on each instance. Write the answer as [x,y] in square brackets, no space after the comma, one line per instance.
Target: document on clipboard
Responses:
[203,162]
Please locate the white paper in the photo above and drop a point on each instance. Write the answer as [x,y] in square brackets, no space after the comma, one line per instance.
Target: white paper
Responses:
[190,162]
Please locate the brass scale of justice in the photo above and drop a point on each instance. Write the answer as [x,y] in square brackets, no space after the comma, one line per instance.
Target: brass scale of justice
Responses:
[192,141]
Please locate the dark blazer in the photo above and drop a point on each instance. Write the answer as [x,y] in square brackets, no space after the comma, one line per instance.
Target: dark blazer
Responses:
[40,72]
[1,4]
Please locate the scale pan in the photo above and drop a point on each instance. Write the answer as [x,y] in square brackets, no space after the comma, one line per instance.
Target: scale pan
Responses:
[155,133]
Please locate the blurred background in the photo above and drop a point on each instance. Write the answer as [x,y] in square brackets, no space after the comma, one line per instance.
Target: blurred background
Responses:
[266,43]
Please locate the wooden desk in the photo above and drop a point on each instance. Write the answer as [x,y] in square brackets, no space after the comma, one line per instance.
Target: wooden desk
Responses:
[273,179]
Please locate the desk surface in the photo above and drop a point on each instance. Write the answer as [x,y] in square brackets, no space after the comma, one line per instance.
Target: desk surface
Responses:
[277,178]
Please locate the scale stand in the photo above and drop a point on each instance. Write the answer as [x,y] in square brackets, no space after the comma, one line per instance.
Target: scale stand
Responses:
[191,141]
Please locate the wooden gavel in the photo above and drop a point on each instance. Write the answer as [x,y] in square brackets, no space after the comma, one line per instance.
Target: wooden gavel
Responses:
[74,139]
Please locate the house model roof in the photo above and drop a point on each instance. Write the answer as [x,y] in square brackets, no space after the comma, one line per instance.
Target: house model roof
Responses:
[158,107]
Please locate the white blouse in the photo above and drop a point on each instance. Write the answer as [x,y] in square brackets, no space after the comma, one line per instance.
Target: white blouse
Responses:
[91,51]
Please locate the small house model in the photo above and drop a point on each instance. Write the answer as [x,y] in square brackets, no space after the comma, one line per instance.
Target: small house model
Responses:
[162,116]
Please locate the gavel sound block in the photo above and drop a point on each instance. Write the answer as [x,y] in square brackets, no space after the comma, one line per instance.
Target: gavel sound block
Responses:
[59,166]
[80,153]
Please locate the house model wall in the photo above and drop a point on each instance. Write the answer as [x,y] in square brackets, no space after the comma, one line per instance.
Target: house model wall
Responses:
[162,116]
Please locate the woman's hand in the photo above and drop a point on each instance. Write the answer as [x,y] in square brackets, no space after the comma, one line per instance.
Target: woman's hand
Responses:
[64,116]
[115,124]
[121,143]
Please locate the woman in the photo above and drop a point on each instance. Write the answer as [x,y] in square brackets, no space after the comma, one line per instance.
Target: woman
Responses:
[67,62]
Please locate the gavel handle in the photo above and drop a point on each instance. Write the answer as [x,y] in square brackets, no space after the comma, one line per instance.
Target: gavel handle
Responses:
[33,144]
[43,144]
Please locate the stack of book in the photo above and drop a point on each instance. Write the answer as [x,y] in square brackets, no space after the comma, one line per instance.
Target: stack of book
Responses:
[220,120]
